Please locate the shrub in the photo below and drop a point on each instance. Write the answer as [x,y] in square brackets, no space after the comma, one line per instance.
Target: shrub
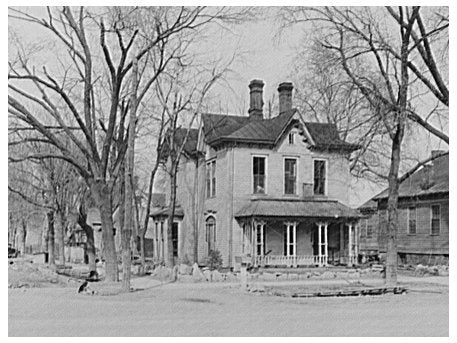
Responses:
[214,260]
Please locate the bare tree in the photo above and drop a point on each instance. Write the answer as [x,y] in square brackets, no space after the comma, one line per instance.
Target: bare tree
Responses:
[101,47]
[394,81]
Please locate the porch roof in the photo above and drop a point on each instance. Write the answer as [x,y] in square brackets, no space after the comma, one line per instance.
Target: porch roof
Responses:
[163,211]
[315,208]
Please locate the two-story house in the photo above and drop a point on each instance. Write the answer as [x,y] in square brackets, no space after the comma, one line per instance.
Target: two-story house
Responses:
[275,190]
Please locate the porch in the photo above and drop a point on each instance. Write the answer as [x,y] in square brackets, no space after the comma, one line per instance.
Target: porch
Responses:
[299,233]
[276,243]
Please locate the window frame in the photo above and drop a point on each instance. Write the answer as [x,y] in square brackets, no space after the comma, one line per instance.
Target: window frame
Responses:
[291,138]
[368,233]
[325,176]
[265,157]
[296,174]
[410,220]
[260,239]
[210,179]
[431,220]
[210,222]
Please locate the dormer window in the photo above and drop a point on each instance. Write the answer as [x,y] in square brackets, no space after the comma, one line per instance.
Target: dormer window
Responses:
[291,138]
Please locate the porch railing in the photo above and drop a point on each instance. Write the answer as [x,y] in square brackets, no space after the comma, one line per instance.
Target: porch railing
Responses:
[289,261]
[299,260]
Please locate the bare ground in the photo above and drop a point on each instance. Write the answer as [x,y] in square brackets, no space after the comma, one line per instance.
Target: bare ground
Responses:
[219,309]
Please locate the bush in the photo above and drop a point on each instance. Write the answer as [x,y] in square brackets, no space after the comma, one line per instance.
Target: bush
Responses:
[214,260]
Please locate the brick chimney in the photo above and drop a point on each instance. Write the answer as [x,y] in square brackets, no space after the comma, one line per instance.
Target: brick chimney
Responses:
[285,96]
[256,99]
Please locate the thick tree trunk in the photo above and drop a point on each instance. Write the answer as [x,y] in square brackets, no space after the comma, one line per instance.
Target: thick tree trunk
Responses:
[90,242]
[392,214]
[90,247]
[23,236]
[44,239]
[397,139]
[142,253]
[129,191]
[171,213]
[51,247]
[101,194]
[60,236]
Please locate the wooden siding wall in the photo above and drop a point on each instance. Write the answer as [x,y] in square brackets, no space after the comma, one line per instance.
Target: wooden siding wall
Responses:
[423,242]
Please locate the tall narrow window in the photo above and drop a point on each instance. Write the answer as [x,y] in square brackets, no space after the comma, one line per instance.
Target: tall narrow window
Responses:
[246,238]
[210,233]
[369,229]
[412,220]
[260,239]
[211,179]
[289,239]
[290,176]
[436,219]
[319,177]
[259,174]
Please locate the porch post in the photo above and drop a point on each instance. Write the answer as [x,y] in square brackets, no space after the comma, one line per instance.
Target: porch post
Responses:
[262,239]
[295,241]
[254,240]
[165,240]
[319,245]
[341,241]
[350,244]
[154,235]
[288,239]
[325,244]
[356,242]
[159,241]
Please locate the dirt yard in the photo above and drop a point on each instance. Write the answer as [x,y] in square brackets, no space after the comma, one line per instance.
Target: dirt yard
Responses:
[218,309]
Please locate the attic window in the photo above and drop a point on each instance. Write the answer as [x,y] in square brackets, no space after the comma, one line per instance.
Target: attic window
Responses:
[291,138]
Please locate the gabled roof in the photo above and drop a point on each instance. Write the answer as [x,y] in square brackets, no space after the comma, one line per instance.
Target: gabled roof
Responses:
[217,125]
[296,208]
[429,180]
[218,128]
[326,136]
[266,130]
[190,148]
[369,205]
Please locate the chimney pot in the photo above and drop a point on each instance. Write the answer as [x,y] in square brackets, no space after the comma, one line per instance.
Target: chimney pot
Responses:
[256,99]
[285,96]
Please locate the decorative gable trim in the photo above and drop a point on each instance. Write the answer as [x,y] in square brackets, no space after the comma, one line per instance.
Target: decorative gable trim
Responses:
[296,116]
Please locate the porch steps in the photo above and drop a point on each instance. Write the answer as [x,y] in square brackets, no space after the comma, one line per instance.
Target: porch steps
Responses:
[351,292]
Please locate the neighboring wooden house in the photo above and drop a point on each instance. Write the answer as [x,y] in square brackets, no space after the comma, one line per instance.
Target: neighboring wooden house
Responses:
[423,216]
[368,241]
[273,190]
